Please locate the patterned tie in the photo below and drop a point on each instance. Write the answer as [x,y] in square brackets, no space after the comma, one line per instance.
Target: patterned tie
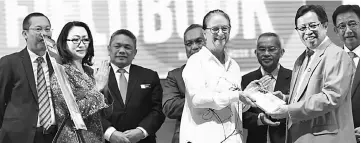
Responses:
[309,53]
[352,56]
[43,97]
[123,84]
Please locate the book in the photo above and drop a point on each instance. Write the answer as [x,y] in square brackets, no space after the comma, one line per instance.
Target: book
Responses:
[266,101]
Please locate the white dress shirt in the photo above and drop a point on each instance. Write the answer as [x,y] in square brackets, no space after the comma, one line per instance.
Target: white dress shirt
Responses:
[44,65]
[356,51]
[110,130]
[212,110]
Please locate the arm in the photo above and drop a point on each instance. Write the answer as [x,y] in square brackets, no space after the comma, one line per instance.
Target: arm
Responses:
[5,80]
[173,100]
[199,95]
[337,82]
[153,121]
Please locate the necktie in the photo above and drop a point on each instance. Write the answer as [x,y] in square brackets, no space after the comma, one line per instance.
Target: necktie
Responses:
[309,53]
[43,97]
[123,84]
[352,56]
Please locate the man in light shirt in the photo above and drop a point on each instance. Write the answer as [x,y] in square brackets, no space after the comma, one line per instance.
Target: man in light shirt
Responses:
[213,109]
[346,19]
[319,105]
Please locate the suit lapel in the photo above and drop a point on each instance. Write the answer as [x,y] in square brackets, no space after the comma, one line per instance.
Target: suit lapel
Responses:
[28,68]
[309,71]
[132,82]
[50,66]
[113,87]
[356,79]
[282,81]
[295,75]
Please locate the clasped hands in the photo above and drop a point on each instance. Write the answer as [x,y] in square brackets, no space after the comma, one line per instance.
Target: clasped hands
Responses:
[129,136]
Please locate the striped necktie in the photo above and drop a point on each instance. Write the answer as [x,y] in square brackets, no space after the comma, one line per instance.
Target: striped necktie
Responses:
[43,97]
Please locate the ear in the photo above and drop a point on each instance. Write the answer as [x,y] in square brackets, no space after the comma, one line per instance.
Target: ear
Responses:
[282,52]
[335,29]
[325,25]
[108,48]
[255,52]
[135,52]
[25,35]
[204,35]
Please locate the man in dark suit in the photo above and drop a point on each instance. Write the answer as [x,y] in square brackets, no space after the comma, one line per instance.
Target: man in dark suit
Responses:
[26,109]
[262,129]
[174,88]
[137,93]
[346,19]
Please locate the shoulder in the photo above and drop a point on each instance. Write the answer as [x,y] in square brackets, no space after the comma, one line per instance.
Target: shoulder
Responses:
[141,69]
[251,74]
[177,70]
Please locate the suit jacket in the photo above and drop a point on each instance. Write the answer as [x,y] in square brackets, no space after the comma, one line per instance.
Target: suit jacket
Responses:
[143,105]
[18,98]
[355,97]
[173,98]
[322,111]
[258,134]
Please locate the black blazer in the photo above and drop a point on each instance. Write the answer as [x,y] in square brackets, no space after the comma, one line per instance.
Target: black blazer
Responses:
[143,105]
[258,134]
[18,98]
[174,98]
[355,97]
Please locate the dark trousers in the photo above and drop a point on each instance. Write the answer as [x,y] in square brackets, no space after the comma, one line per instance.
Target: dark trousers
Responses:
[44,137]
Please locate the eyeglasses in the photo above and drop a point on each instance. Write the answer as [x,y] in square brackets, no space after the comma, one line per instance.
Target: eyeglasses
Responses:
[39,29]
[78,40]
[270,49]
[311,26]
[215,29]
[351,24]
[198,41]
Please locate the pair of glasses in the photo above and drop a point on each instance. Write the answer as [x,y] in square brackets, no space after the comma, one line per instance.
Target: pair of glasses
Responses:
[78,40]
[39,29]
[198,41]
[224,28]
[311,26]
[269,49]
[351,24]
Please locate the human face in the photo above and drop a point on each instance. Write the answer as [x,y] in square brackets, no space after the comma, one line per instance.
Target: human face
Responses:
[78,50]
[268,52]
[217,40]
[346,29]
[193,41]
[34,40]
[122,50]
[314,33]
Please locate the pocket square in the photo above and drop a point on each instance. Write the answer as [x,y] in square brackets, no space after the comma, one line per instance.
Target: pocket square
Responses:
[144,86]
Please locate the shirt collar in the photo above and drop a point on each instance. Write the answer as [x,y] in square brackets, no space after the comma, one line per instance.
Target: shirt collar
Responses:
[274,73]
[34,56]
[356,50]
[115,68]
[227,58]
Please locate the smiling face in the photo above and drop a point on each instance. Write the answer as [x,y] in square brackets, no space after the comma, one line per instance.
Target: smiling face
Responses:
[217,34]
[78,50]
[314,33]
[33,37]
[268,52]
[193,41]
[351,34]
[122,50]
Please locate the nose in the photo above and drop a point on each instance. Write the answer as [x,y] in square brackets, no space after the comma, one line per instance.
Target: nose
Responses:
[121,50]
[81,44]
[348,29]
[195,46]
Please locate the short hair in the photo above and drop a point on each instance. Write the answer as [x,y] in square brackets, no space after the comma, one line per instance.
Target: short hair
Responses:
[318,9]
[126,33]
[26,21]
[190,27]
[343,9]
[279,41]
[62,45]
[217,11]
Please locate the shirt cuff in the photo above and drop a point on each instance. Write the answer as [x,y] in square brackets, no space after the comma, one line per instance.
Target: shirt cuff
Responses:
[259,122]
[109,132]
[144,132]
